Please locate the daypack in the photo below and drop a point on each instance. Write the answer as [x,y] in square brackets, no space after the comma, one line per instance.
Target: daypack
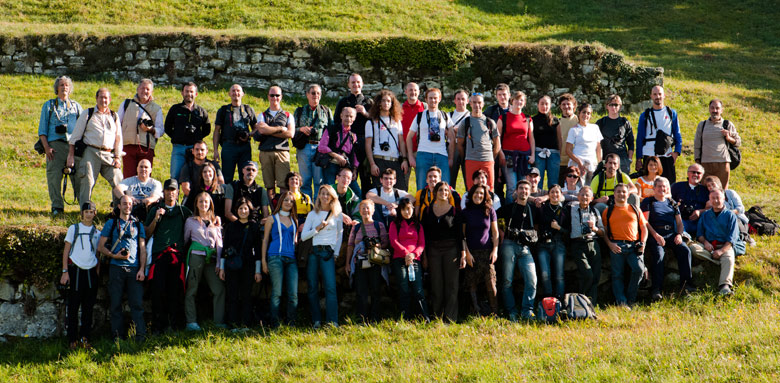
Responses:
[662,140]
[549,310]
[760,224]
[578,306]
[735,154]
[468,127]
[76,236]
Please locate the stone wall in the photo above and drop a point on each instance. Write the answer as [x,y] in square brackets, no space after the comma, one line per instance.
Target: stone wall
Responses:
[591,72]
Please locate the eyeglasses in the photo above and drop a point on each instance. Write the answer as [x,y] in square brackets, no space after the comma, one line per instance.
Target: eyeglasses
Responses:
[695,172]
[615,105]
[572,176]
[274,95]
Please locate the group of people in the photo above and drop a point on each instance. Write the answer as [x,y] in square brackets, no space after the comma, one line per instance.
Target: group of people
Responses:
[234,233]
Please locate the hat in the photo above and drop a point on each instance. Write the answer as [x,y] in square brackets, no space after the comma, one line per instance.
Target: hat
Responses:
[89,205]
[171,183]
[249,163]
[535,171]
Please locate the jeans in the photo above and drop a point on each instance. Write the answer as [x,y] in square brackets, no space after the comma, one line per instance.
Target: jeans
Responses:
[233,155]
[444,269]
[120,280]
[655,261]
[407,288]
[551,165]
[329,178]
[368,283]
[515,255]
[178,158]
[627,255]
[425,161]
[551,257]
[283,272]
[310,172]
[82,292]
[587,256]
[328,268]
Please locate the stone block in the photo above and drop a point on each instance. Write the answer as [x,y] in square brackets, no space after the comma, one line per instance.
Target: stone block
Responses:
[6,62]
[159,54]
[255,57]
[47,293]
[206,51]
[176,54]
[7,291]
[224,53]
[217,64]
[300,53]
[14,322]
[143,65]
[141,55]
[205,73]
[69,52]
[239,55]
[130,44]
[9,48]
[129,56]
[274,58]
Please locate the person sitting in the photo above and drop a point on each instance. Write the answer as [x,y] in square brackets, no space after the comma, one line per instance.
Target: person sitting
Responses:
[719,233]
[425,197]
[246,187]
[538,195]
[571,188]
[387,197]
[692,198]
[603,184]
[733,202]
[340,143]
[651,170]
[209,183]
[142,188]
[189,176]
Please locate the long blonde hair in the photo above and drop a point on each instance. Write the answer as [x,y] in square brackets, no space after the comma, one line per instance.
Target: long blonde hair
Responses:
[335,207]
[209,214]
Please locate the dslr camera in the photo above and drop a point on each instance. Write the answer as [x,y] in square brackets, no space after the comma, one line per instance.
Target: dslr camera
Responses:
[69,170]
[434,137]
[146,121]
[512,234]
[385,146]
[370,242]
[190,129]
[124,252]
[61,129]
[242,136]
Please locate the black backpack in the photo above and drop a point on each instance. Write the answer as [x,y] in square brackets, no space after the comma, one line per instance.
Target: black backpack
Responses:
[759,223]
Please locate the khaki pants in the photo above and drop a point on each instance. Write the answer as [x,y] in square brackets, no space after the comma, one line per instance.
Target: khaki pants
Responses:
[198,270]
[722,170]
[54,174]
[275,165]
[93,163]
[726,262]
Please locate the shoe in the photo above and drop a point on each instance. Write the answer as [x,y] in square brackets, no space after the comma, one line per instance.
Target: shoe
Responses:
[193,327]
[317,325]
[239,330]
[221,326]
[513,317]
[725,290]
[56,212]
[85,343]
[73,345]
[624,306]
[655,297]
[690,289]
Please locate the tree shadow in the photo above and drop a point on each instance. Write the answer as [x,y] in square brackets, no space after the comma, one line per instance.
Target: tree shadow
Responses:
[500,7]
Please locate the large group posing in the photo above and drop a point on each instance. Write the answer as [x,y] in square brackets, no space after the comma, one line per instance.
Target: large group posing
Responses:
[540,190]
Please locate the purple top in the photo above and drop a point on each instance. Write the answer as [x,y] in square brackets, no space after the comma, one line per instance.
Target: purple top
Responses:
[346,148]
[478,228]
[207,235]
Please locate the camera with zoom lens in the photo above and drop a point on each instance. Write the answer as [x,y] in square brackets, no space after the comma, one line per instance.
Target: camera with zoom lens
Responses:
[191,129]
[61,129]
[370,242]
[124,252]
[385,146]
[242,135]
[69,170]
[512,234]
[434,137]
[639,247]
[146,121]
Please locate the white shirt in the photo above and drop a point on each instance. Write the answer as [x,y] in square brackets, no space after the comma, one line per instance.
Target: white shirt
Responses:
[331,235]
[389,197]
[585,140]
[384,129]
[82,252]
[141,190]
[426,145]
[664,121]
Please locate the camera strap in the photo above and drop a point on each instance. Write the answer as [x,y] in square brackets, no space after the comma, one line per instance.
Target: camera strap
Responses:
[65,188]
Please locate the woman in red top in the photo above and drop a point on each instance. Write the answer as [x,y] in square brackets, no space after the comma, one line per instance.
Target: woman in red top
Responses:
[517,142]
[408,241]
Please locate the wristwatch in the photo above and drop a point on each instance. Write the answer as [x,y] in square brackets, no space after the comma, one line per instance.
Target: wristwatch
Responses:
[64,270]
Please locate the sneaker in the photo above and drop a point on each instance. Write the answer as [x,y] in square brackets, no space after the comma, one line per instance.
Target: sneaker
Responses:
[317,325]
[56,212]
[193,327]
[725,290]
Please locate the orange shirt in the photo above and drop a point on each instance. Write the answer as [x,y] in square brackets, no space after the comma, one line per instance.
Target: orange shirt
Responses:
[623,223]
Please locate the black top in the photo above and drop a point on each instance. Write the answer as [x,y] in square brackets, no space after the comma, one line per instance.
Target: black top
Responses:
[494,112]
[249,248]
[359,126]
[523,215]
[254,193]
[179,119]
[617,133]
[548,213]
[225,119]
[439,228]
[545,135]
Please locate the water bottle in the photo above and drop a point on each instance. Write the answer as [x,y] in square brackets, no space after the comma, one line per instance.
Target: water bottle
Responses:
[410,272]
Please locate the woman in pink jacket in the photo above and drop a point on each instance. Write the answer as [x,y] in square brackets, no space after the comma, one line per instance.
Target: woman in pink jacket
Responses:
[408,241]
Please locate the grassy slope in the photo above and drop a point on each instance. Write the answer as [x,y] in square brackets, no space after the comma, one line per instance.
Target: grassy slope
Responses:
[709,49]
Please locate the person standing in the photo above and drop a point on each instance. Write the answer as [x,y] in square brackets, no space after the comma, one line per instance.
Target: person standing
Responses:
[496,112]
[278,256]
[411,107]
[478,141]
[432,132]
[407,238]
[456,116]
[385,147]
[366,274]
[625,234]
[710,145]
[58,120]
[247,187]
[618,134]
[79,274]
[658,134]
[361,105]
[232,127]
[551,249]
[123,239]
[101,133]
[386,197]
[583,144]
[517,142]
[311,120]
[274,128]
[547,138]
[189,177]
[568,120]
[243,268]
[186,123]
[480,241]
[582,223]
[142,125]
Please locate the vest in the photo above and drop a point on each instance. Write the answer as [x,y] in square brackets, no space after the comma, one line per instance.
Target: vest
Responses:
[269,143]
[131,133]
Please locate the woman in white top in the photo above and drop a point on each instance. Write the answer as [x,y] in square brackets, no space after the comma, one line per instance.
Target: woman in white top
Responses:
[583,144]
[384,139]
[325,226]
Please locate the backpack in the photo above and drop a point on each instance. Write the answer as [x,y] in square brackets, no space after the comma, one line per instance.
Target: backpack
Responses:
[609,215]
[80,146]
[662,140]
[419,118]
[76,236]
[578,306]
[759,223]
[468,127]
[549,310]
[603,181]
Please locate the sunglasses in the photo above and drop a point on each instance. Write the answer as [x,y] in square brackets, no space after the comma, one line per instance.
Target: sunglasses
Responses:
[615,105]
[274,95]
[572,176]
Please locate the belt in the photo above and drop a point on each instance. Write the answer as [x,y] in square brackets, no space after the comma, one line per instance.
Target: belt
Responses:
[386,158]
[665,227]
[583,240]
[102,149]
[319,247]
[314,142]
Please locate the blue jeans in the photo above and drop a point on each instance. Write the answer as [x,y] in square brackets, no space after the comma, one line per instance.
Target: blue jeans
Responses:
[329,177]
[551,165]
[233,155]
[551,257]
[425,161]
[120,280]
[178,158]
[328,268]
[514,255]
[309,171]
[407,288]
[283,272]
[628,256]
[655,261]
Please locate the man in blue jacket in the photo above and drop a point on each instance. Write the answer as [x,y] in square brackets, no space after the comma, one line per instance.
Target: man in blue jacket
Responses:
[719,233]
[658,134]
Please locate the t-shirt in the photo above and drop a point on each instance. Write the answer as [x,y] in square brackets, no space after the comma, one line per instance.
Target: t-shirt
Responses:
[128,232]
[478,228]
[623,223]
[388,131]
[524,217]
[645,187]
[566,123]
[479,143]
[431,123]
[233,119]
[84,247]
[389,197]
[609,183]
[546,135]
[302,206]
[410,113]
[141,190]
[618,135]
[662,213]
[515,136]
[190,172]
[585,140]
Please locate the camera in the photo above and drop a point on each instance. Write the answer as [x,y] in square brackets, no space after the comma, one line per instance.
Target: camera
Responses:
[686,211]
[242,135]
[385,146]
[146,121]
[434,137]
[124,252]
[639,247]
[69,170]
[191,129]
[370,242]
[61,129]
[512,234]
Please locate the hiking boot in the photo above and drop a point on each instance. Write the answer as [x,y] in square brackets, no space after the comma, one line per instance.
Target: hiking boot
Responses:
[317,325]
[656,296]
[725,290]
[193,327]
[85,343]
